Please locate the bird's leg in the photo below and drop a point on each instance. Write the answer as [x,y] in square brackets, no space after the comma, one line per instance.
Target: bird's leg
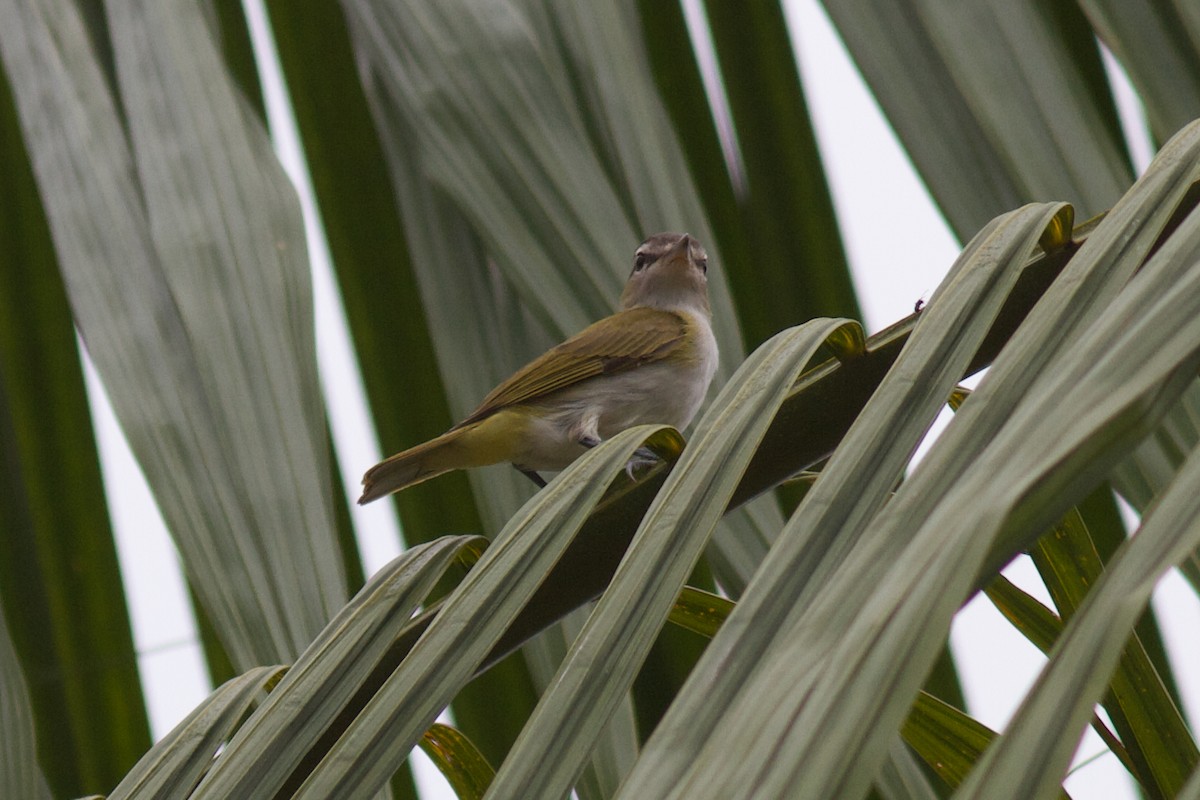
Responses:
[586,430]
[533,476]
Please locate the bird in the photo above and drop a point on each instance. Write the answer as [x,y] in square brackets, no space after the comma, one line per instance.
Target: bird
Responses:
[650,362]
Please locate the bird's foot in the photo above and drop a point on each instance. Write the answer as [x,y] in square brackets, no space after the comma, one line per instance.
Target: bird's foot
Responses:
[643,458]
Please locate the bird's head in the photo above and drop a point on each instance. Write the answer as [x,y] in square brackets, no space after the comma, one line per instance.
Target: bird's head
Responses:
[670,271]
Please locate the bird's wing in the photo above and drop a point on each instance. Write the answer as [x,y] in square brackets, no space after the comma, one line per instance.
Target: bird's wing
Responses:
[623,341]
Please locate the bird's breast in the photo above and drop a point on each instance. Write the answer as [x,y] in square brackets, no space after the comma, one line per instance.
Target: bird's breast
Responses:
[666,392]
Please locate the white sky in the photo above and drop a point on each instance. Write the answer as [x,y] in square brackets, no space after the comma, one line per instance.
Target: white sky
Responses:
[899,249]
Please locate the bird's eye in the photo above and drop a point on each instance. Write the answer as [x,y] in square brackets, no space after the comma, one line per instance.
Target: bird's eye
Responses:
[702,263]
[640,261]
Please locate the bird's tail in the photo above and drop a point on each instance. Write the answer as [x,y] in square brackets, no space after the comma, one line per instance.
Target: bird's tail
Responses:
[488,441]
[414,465]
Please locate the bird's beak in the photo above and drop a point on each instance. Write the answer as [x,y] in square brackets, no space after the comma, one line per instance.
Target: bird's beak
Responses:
[680,252]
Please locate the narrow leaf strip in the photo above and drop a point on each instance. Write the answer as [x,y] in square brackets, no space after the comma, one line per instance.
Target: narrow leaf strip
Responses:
[948,740]
[1042,627]
[699,611]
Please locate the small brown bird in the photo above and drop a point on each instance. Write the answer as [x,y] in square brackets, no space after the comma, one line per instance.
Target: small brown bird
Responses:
[651,362]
